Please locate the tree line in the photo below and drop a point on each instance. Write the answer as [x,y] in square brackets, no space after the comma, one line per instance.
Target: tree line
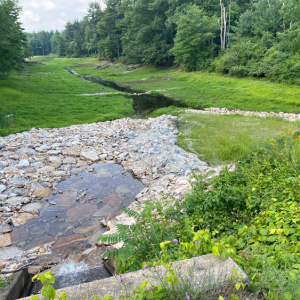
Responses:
[259,38]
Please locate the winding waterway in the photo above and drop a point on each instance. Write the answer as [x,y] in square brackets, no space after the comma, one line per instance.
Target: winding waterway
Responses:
[143,103]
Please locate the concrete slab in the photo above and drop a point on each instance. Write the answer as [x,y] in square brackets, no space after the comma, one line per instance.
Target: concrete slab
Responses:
[203,269]
[63,281]
[17,287]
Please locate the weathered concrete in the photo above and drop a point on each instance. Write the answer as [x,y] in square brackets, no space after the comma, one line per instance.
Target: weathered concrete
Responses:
[75,278]
[17,287]
[205,269]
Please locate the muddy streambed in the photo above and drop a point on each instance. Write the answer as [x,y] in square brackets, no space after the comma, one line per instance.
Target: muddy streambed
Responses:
[70,220]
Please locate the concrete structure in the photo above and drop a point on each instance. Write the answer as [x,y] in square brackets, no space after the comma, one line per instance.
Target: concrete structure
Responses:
[203,270]
[17,287]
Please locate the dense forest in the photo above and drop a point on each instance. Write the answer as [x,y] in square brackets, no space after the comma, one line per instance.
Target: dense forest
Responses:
[259,38]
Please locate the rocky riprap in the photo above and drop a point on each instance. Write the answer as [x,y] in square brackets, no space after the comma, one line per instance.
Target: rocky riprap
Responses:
[32,163]
[225,111]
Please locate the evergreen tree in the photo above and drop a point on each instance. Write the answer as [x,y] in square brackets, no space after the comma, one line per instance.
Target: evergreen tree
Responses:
[110,30]
[40,42]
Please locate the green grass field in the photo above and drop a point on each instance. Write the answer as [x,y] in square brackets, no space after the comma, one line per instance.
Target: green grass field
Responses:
[200,89]
[224,139]
[45,95]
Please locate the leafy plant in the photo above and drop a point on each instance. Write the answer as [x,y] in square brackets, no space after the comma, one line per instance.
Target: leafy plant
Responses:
[250,214]
[5,281]
[141,240]
[47,291]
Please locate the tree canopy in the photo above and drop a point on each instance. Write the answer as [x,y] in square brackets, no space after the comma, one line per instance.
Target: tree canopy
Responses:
[13,43]
[193,44]
[239,37]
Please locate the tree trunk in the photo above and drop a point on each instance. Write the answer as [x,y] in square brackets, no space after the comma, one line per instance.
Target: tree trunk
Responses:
[228,30]
[223,26]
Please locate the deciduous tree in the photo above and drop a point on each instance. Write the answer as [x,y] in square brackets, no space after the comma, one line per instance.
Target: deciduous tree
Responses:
[12,37]
[194,39]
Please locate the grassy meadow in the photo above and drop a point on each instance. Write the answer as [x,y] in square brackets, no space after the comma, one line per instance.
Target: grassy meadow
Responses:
[201,89]
[45,95]
[225,138]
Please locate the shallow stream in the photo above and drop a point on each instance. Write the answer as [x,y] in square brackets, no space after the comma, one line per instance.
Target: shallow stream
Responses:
[70,220]
[143,103]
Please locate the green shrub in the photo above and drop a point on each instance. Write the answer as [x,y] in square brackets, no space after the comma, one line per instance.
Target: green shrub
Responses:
[251,214]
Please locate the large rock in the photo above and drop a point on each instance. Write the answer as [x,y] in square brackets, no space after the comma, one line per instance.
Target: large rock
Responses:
[23,163]
[22,219]
[2,188]
[70,152]
[43,148]
[89,155]
[32,208]
[54,152]
[5,240]
[10,253]
[19,181]
[54,159]
[58,173]
[15,201]
[36,186]
[42,193]
[46,170]
[4,228]
[27,151]
[69,160]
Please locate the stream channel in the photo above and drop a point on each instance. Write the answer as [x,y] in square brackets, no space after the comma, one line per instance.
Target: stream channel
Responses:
[143,103]
[70,221]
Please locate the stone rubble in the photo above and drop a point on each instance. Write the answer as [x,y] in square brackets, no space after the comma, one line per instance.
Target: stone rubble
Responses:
[32,163]
[225,111]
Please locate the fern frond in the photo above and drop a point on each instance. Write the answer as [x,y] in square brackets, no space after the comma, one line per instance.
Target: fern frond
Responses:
[129,212]
[123,230]
[125,253]
[111,253]
[110,238]
[122,254]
